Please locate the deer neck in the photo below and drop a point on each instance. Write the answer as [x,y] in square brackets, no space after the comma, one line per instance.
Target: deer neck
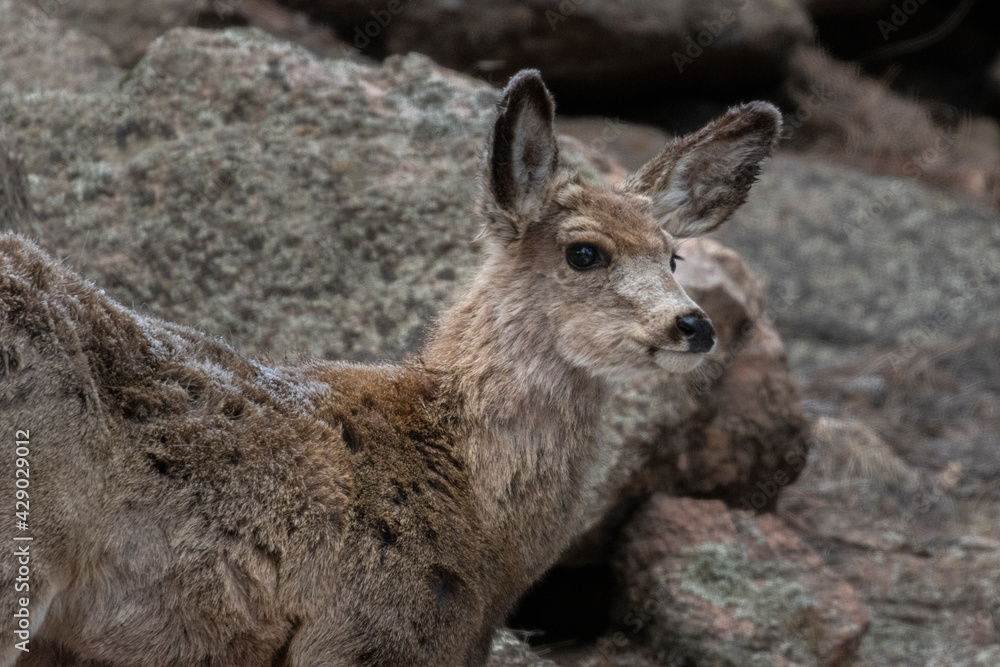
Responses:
[526,417]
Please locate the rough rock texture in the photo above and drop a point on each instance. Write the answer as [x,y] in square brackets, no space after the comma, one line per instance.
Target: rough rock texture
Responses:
[292,205]
[856,262]
[711,587]
[582,46]
[38,53]
[236,178]
[901,497]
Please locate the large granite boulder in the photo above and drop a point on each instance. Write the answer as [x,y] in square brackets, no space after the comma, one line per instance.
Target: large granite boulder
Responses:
[585,47]
[855,262]
[715,588]
[39,53]
[901,495]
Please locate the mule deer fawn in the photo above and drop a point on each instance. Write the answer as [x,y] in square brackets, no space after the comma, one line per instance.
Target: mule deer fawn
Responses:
[189,506]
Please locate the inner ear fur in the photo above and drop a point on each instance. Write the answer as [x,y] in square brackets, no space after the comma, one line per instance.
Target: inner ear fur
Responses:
[698,181]
[522,156]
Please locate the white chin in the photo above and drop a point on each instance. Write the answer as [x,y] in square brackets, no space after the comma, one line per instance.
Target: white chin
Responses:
[678,362]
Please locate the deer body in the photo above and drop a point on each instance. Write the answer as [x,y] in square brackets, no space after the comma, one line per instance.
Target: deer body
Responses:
[190,506]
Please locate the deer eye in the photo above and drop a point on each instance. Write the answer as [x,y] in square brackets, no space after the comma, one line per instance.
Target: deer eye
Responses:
[673,262]
[585,256]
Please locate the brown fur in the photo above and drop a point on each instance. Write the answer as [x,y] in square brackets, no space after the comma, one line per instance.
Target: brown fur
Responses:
[189,506]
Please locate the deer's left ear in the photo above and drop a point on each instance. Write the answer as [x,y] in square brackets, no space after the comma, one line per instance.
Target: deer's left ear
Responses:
[521,156]
[698,181]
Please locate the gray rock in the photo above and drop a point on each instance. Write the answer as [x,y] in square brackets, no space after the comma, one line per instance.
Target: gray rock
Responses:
[583,45]
[631,145]
[713,588]
[39,53]
[855,262]
[178,191]
[902,493]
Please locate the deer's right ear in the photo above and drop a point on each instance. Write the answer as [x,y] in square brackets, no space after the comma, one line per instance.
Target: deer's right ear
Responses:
[697,181]
[522,156]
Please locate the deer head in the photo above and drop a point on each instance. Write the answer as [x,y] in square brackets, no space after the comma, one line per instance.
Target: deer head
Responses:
[599,262]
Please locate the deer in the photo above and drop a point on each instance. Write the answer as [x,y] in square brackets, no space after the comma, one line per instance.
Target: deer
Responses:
[186,505]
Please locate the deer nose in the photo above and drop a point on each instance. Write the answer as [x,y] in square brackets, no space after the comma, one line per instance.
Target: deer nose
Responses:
[698,331]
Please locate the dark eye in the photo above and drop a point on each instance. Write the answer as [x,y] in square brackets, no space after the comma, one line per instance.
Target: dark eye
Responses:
[584,256]
[673,262]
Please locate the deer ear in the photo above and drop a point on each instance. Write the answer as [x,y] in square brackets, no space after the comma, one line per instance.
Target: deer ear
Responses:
[698,181]
[521,156]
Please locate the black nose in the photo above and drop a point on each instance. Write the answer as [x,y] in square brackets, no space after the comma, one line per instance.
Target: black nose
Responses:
[699,332]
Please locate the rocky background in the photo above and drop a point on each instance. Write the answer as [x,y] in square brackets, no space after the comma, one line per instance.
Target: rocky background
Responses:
[297,177]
